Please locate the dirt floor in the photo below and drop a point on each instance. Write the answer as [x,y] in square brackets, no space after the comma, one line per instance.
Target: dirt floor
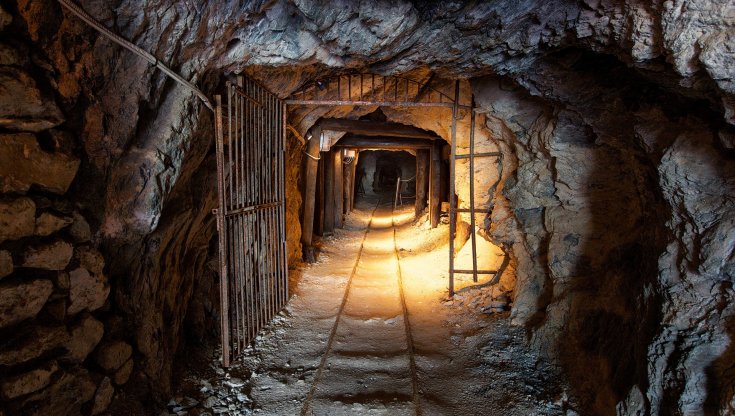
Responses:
[394,345]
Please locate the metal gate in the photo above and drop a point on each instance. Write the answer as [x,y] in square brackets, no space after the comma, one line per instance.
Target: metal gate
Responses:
[250,137]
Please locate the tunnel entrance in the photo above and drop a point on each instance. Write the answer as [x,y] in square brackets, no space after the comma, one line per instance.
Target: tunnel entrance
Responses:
[251,184]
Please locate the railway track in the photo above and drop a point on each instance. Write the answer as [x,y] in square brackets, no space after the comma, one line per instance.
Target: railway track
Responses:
[369,357]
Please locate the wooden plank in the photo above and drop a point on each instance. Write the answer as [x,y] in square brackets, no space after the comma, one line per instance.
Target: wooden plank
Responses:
[435,184]
[422,179]
[375,128]
[312,165]
[338,188]
[362,142]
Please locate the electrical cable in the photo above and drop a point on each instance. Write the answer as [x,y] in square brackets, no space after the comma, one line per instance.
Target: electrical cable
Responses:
[80,13]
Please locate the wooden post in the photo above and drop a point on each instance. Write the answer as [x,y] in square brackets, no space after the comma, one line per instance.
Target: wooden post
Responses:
[422,179]
[435,185]
[329,192]
[353,175]
[338,196]
[346,189]
[319,223]
[307,225]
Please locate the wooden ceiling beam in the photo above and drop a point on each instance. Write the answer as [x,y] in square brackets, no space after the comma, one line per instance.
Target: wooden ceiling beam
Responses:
[375,128]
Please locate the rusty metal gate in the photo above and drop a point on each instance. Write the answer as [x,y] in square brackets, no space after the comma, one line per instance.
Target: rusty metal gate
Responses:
[250,136]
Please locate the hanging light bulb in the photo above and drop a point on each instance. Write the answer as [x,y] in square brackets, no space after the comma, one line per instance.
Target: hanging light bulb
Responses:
[348,155]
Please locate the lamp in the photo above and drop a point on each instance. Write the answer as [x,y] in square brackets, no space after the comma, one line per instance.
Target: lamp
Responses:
[348,155]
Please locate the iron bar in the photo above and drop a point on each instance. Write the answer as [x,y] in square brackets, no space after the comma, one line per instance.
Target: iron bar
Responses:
[460,271]
[221,230]
[452,197]
[487,154]
[472,191]
[383,103]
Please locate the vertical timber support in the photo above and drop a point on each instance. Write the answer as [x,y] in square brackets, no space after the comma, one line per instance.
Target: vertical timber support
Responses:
[422,179]
[338,188]
[328,200]
[452,197]
[312,164]
[220,215]
[346,189]
[435,184]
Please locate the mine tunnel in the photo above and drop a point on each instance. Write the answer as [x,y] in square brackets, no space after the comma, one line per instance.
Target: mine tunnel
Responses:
[378,208]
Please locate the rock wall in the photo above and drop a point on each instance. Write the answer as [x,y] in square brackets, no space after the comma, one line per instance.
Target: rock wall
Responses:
[605,213]
[63,351]
[614,200]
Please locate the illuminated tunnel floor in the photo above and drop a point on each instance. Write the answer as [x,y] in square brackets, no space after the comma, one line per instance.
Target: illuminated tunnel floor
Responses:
[466,362]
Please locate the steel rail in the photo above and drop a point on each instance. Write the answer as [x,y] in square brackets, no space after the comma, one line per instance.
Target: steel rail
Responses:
[317,378]
[91,21]
[406,322]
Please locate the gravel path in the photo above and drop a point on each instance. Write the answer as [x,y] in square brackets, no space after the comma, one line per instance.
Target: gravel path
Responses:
[309,361]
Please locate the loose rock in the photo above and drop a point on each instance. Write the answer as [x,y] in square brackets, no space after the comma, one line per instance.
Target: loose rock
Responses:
[32,344]
[18,217]
[65,396]
[103,397]
[19,302]
[48,223]
[123,374]
[6,263]
[28,382]
[54,256]
[84,338]
[22,104]
[86,291]
[113,355]
[79,230]
[23,164]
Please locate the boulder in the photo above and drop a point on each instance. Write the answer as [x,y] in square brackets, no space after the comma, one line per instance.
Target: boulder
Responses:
[83,338]
[91,259]
[47,224]
[32,343]
[23,163]
[23,106]
[112,355]
[19,302]
[28,382]
[79,229]
[6,263]
[65,396]
[123,374]
[86,291]
[17,217]
[5,18]
[55,256]
[103,396]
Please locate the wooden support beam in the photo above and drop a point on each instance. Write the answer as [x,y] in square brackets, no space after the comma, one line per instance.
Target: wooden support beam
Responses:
[307,225]
[319,223]
[347,172]
[328,159]
[354,181]
[375,128]
[338,195]
[362,142]
[435,201]
[422,179]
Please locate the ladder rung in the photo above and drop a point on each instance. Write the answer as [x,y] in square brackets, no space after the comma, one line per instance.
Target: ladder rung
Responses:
[477,210]
[478,272]
[489,154]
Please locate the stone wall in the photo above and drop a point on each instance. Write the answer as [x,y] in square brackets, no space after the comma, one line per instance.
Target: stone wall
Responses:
[62,350]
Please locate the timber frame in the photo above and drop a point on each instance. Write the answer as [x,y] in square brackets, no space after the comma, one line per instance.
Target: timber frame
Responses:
[365,89]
